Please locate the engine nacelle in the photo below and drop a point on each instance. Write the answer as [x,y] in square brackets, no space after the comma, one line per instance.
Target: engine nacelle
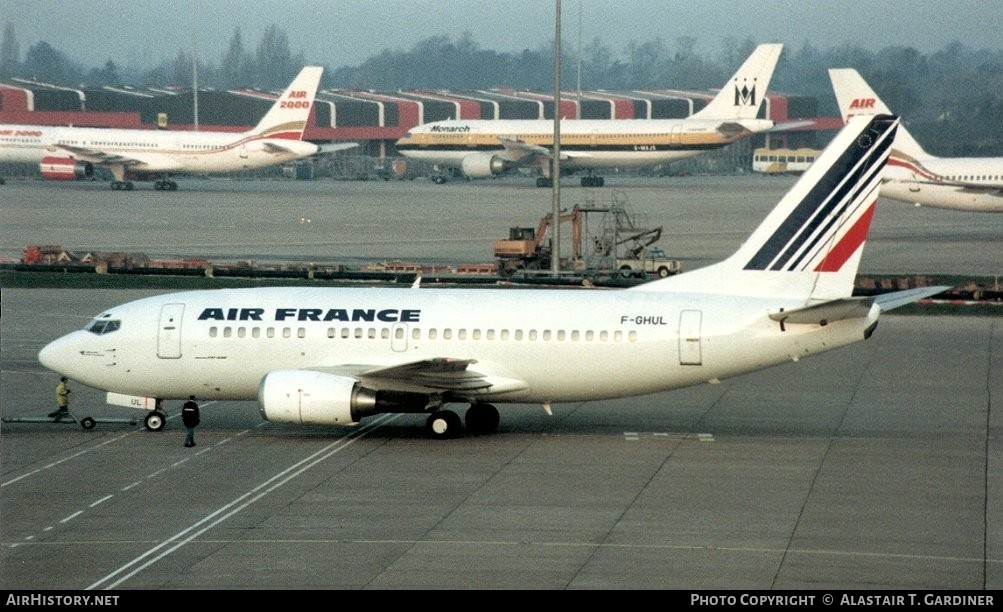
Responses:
[482,165]
[316,398]
[313,398]
[65,169]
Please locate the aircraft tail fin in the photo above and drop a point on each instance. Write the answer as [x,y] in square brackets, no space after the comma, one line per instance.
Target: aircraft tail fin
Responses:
[808,248]
[742,95]
[855,97]
[288,116]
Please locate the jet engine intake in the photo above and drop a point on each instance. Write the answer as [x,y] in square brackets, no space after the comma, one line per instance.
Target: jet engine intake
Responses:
[65,169]
[482,165]
[313,398]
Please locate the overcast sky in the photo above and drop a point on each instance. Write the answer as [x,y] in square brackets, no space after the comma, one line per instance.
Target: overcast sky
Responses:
[142,33]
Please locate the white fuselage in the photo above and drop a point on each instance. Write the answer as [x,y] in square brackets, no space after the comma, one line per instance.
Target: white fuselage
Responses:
[150,150]
[335,355]
[972,184]
[533,345]
[584,143]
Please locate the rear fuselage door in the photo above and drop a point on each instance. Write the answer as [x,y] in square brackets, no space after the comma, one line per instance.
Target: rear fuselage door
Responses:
[675,136]
[689,338]
[169,331]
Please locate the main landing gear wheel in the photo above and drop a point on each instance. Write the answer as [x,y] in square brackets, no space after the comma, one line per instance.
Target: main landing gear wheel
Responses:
[87,423]
[165,186]
[155,421]
[482,419]
[593,181]
[120,185]
[443,424]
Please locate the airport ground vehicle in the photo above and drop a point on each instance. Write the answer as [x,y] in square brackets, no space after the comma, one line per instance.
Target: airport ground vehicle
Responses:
[617,244]
[86,422]
[650,261]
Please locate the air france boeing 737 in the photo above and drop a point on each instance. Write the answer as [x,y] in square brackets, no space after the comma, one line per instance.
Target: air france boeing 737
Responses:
[486,148]
[334,356]
[68,153]
[960,183]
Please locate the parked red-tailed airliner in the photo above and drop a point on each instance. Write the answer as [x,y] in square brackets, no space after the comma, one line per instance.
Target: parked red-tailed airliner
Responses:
[69,153]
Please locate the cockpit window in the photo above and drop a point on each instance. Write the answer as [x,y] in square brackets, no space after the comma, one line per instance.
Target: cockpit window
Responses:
[103,326]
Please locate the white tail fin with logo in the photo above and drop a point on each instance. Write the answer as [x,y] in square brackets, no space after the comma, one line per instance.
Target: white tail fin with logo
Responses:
[742,96]
[855,97]
[288,117]
[808,248]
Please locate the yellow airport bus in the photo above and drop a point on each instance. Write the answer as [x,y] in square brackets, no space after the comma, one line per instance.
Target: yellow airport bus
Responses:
[783,161]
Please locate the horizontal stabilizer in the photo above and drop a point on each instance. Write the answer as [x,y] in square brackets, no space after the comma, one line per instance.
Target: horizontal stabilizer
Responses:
[731,129]
[891,301]
[273,147]
[790,125]
[336,146]
[825,312]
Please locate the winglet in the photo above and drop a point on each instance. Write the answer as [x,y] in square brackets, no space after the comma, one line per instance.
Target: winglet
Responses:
[288,116]
[742,95]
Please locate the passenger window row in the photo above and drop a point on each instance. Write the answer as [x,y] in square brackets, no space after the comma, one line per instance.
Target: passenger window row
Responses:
[432,333]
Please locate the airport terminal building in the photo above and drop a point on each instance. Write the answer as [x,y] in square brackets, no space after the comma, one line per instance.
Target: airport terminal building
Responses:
[377,119]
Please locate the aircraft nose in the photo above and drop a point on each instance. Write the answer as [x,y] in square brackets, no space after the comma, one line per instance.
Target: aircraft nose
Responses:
[58,355]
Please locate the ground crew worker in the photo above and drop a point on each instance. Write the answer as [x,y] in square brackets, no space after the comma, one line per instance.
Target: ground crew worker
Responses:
[62,400]
[190,417]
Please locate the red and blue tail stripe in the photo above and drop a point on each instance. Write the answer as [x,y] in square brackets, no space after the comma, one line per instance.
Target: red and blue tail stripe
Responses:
[831,222]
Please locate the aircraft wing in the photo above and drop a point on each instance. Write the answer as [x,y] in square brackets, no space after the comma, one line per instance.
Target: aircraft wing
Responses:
[428,375]
[99,157]
[520,151]
[441,373]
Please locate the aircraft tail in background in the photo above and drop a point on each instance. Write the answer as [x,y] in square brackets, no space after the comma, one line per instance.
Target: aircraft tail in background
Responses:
[855,97]
[287,119]
[742,96]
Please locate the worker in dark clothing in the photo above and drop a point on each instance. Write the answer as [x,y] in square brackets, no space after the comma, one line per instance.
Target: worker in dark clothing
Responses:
[62,400]
[190,417]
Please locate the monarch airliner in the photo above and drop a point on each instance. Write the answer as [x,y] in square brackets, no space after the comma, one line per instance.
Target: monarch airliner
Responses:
[487,148]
